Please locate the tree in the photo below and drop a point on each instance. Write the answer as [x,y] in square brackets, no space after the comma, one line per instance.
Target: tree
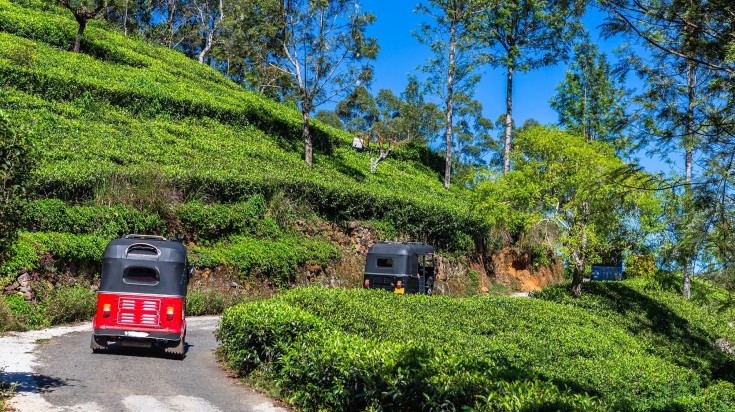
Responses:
[590,101]
[453,42]
[83,10]
[559,180]
[358,111]
[325,51]
[331,118]
[524,35]
[421,119]
[683,105]
[16,152]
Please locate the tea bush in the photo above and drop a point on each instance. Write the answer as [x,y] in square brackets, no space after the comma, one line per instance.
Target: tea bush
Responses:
[273,259]
[356,349]
[123,107]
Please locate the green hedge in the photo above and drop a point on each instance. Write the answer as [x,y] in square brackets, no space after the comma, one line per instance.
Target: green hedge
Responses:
[354,349]
[274,259]
[53,215]
[653,310]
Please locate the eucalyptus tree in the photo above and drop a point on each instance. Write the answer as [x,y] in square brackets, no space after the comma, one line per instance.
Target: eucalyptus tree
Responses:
[524,35]
[324,48]
[451,34]
[590,101]
[83,11]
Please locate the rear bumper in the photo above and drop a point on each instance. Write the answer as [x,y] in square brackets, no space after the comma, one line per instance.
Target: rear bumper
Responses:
[139,335]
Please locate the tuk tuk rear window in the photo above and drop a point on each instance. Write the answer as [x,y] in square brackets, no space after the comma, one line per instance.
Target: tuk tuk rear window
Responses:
[139,275]
[384,262]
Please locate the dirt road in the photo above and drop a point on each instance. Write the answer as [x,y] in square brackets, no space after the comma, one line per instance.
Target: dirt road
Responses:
[56,371]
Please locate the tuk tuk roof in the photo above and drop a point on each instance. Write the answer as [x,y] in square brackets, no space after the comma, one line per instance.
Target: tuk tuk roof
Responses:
[168,250]
[401,248]
[161,258]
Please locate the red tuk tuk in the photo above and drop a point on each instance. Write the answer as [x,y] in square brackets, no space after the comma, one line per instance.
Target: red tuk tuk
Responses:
[142,296]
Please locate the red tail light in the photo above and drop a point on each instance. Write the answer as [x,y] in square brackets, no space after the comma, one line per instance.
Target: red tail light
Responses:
[169,313]
[367,283]
[399,285]
[106,310]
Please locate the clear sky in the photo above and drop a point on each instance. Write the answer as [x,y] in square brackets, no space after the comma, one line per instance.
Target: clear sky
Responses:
[401,54]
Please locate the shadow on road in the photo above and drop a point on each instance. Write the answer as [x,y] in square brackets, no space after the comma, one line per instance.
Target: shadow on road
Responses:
[31,382]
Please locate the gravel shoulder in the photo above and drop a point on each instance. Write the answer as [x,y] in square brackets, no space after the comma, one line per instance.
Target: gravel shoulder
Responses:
[55,370]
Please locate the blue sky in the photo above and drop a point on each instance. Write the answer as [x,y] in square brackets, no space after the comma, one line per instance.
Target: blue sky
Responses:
[401,53]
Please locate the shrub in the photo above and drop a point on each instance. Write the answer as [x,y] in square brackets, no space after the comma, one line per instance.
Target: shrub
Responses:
[68,304]
[353,349]
[26,316]
[201,302]
[640,266]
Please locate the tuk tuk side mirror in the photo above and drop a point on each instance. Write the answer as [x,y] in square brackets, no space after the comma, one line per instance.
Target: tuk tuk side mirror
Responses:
[190,272]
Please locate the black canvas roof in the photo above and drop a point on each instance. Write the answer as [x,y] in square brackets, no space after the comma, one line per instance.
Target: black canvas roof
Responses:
[401,248]
[164,259]
[170,250]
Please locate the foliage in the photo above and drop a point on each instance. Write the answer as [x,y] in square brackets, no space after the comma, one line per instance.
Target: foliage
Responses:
[16,152]
[219,220]
[70,304]
[580,189]
[276,260]
[653,311]
[357,349]
[640,265]
[201,302]
[590,101]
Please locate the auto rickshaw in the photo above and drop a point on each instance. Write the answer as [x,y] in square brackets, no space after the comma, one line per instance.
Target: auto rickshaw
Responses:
[400,267]
[142,296]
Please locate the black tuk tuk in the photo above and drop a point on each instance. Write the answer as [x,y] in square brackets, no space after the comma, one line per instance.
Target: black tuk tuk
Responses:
[400,267]
[142,296]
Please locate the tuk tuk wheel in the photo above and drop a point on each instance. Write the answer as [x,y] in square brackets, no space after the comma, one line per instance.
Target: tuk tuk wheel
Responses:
[430,286]
[96,347]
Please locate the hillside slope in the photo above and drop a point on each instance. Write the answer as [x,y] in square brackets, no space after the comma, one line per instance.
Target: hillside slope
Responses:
[139,138]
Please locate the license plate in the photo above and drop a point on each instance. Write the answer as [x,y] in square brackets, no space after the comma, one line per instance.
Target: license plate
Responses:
[134,334]
[398,291]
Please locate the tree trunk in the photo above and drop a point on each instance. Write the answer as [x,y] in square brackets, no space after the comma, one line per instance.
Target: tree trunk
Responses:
[577,279]
[308,147]
[170,22]
[125,20]
[78,41]
[508,118]
[450,106]
[688,160]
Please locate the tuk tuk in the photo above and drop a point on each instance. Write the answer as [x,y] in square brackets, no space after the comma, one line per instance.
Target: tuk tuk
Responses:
[142,296]
[400,267]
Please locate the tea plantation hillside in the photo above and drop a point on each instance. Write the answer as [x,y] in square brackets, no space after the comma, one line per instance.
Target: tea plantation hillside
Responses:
[138,138]
[626,346]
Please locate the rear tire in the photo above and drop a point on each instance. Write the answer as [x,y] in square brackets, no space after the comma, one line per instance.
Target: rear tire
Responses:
[96,347]
[179,350]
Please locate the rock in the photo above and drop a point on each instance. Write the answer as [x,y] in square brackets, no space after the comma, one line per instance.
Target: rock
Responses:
[24,279]
[485,290]
[353,225]
[234,285]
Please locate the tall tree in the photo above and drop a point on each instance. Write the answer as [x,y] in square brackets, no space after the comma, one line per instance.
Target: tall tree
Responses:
[683,103]
[421,119]
[83,11]
[524,35]
[590,101]
[568,184]
[325,50]
[451,36]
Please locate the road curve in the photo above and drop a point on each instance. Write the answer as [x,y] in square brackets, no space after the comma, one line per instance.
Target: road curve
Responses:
[55,370]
